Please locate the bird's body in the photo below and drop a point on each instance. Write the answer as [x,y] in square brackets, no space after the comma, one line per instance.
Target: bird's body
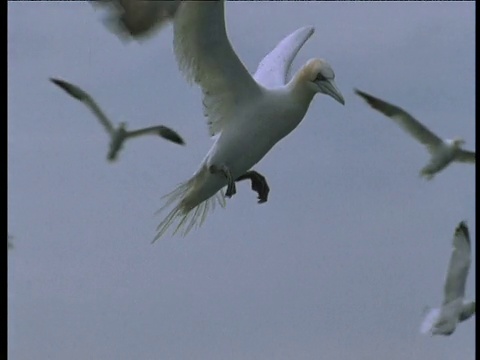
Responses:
[454,309]
[247,115]
[246,141]
[442,152]
[441,157]
[444,320]
[117,139]
[118,135]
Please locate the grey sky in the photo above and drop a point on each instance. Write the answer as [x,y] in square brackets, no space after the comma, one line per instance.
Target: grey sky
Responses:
[340,261]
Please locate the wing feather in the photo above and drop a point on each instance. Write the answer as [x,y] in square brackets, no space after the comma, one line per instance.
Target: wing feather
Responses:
[160,130]
[87,100]
[274,67]
[465,156]
[459,265]
[404,119]
[206,57]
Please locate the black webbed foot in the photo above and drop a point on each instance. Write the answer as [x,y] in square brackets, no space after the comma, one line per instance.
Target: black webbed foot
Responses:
[259,184]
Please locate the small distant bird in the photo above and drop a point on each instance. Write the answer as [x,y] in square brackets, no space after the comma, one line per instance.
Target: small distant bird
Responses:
[444,320]
[120,134]
[442,152]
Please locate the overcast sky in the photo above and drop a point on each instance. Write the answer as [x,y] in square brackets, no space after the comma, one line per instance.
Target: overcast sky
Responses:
[338,264]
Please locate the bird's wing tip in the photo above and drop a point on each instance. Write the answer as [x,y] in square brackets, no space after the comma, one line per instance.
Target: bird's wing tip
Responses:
[462,229]
[55,80]
[310,28]
[359,92]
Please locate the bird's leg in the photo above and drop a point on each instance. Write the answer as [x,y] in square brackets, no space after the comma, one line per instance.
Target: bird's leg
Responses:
[259,184]
[231,188]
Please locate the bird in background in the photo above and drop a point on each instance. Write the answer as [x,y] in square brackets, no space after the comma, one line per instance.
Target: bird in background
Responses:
[119,134]
[454,309]
[137,19]
[246,115]
[442,152]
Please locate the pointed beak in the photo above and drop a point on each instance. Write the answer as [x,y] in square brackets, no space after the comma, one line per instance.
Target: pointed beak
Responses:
[329,87]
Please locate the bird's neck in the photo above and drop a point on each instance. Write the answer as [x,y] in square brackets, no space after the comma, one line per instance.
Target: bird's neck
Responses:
[299,88]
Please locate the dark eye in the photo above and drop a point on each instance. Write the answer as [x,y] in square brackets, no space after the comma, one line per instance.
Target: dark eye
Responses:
[320,77]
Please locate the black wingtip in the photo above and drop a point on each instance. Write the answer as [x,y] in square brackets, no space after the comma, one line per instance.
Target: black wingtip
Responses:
[57,81]
[71,89]
[179,141]
[174,137]
[171,135]
[362,94]
[462,228]
[63,84]
[356,91]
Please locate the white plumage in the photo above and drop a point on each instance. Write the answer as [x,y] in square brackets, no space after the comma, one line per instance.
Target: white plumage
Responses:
[246,115]
[454,309]
[442,152]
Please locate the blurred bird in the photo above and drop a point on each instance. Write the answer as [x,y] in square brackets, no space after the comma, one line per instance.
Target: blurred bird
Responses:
[117,135]
[444,320]
[137,19]
[442,152]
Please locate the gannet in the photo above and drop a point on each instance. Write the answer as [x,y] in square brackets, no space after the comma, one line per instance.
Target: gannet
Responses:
[120,134]
[246,115]
[442,152]
[454,309]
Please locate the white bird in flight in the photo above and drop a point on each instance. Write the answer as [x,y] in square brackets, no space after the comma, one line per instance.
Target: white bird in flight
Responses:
[444,320]
[246,115]
[442,152]
[117,135]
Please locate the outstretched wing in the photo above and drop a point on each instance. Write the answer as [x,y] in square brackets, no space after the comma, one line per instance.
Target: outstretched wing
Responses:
[467,311]
[465,156]
[404,119]
[459,265]
[274,67]
[160,130]
[86,99]
[206,57]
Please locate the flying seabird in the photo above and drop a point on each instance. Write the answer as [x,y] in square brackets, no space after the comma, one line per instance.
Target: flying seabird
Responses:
[442,152]
[120,134]
[246,115]
[444,320]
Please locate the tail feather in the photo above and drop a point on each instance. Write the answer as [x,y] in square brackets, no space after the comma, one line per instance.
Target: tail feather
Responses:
[188,218]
